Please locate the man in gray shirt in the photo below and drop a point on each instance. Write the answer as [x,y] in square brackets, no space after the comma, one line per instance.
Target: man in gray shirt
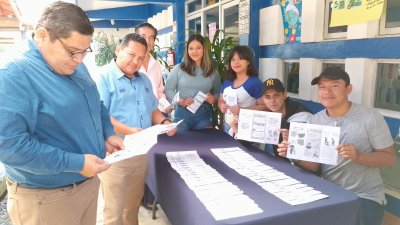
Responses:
[365,144]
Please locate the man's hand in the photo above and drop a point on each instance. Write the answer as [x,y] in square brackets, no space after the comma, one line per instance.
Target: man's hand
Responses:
[285,134]
[93,165]
[348,151]
[282,148]
[169,109]
[170,132]
[113,144]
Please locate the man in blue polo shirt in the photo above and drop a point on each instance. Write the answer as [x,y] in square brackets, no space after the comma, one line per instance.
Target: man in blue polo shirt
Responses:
[54,131]
[130,100]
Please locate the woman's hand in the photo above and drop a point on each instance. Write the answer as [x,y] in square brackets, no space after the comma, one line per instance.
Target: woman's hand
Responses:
[234,109]
[185,102]
[210,98]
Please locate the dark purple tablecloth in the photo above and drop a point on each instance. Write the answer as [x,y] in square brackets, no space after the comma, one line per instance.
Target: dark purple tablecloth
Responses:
[182,207]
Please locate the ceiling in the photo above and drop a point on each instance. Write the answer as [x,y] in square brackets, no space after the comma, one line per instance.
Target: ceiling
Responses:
[102,13]
[121,13]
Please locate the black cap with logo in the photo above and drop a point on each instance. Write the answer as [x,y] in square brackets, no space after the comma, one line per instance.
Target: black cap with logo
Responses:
[273,84]
[332,73]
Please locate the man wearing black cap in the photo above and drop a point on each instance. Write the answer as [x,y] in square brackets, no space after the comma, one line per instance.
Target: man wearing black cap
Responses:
[365,144]
[276,99]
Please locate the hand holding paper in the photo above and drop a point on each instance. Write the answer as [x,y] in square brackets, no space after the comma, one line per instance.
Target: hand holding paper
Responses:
[197,101]
[140,143]
[315,143]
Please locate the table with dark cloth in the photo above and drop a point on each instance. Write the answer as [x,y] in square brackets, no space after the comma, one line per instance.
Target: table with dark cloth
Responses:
[182,207]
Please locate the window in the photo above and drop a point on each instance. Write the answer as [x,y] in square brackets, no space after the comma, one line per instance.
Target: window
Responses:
[390,20]
[387,97]
[291,76]
[387,88]
[332,32]
[212,21]
[210,2]
[194,25]
[230,21]
[204,16]
[326,64]
[194,6]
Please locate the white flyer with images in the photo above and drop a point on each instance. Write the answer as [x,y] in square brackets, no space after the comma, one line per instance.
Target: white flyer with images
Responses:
[315,143]
[259,126]
[140,143]
[197,101]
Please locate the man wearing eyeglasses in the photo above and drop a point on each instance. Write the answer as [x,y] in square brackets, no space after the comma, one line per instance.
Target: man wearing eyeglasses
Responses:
[129,98]
[54,131]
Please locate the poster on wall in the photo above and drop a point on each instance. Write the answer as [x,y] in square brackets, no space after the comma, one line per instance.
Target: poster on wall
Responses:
[347,12]
[291,13]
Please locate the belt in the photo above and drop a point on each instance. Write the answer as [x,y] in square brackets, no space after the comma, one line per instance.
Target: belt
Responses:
[72,185]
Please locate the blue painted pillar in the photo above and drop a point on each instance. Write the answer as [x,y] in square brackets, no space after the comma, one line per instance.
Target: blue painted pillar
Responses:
[255,6]
[179,17]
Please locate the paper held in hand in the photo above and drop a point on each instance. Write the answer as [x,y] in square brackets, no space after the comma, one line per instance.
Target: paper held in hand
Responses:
[163,103]
[197,101]
[141,142]
[315,143]
[259,126]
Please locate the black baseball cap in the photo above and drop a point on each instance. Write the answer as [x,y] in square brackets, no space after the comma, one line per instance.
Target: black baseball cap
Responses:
[274,84]
[332,73]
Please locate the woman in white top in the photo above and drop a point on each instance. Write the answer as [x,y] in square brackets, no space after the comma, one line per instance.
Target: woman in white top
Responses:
[242,87]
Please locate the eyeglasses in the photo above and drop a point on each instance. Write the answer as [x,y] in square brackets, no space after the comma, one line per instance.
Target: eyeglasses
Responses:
[74,54]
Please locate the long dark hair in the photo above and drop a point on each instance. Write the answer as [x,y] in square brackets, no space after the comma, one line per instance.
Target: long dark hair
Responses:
[245,53]
[189,66]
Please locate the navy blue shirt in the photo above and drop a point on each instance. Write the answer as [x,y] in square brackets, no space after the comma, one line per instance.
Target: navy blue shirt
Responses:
[48,121]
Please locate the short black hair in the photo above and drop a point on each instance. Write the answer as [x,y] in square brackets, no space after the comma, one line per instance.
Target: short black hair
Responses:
[148,25]
[133,37]
[62,18]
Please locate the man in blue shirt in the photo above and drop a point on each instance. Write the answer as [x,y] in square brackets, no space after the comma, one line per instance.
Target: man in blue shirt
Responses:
[130,100]
[54,130]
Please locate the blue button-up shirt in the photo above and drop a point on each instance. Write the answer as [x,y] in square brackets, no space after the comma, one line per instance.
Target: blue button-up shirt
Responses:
[48,121]
[130,101]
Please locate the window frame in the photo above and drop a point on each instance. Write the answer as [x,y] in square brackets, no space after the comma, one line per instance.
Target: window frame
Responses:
[326,34]
[386,112]
[332,61]
[285,77]
[382,23]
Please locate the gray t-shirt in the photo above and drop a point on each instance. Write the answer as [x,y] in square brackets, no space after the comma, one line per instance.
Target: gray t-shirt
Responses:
[189,86]
[367,130]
